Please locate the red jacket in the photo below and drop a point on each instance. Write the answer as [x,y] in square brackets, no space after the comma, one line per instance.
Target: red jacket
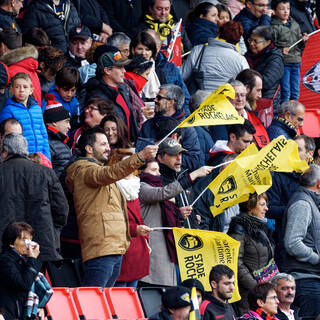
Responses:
[136,261]
[24,60]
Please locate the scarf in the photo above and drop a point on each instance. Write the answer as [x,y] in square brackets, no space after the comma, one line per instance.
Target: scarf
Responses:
[169,213]
[129,188]
[254,59]
[264,316]
[286,122]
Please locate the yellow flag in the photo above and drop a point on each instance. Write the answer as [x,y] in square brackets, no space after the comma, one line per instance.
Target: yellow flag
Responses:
[199,250]
[195,312]
[279,155]
[215,110]
[235,183]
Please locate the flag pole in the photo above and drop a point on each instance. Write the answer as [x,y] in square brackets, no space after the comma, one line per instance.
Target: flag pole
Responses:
[168,135]
[205,189]
[310,34]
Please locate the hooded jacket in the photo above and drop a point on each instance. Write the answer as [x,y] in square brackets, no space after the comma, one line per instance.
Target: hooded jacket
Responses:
[24,60]
[32,124]
[101,209]
[41,14]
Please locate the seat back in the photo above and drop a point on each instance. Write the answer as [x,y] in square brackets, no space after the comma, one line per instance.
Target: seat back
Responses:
[92,303]
[150,298]
[124,303]
[61,306]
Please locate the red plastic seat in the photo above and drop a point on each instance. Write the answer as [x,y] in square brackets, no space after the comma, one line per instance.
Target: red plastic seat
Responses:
[61,306]
[92,303]
[124,303]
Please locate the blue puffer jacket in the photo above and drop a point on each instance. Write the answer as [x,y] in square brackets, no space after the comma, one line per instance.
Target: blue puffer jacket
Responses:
[200,30]
[32,123]
[172,76]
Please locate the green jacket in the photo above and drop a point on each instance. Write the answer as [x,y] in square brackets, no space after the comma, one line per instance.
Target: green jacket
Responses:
[285,35]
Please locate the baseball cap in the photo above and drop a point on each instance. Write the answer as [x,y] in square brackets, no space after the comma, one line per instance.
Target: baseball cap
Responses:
[80,32]
[176,297]
[112,58]
[171,146]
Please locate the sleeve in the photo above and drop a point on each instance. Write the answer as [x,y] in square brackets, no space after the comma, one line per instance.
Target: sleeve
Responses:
[299,217]
[104,175]
[265,20]
[246,279]
[276,206]
[46,148]
[149,194]
[5,114]
[14,279]
[189,64]
[272,72]
[108,7]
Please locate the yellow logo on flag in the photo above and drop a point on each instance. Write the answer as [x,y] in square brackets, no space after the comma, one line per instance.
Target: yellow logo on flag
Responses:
[215,110]
[217,248]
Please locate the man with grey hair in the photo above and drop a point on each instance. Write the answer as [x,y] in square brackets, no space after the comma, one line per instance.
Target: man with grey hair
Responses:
[288,121]
[121,41]
[169,103]
[32,193]
[302,242]
[285,286]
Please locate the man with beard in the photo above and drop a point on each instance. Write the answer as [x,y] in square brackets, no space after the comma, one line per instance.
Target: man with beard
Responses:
[216,306]
[101,209]
[169,104]
[286,290]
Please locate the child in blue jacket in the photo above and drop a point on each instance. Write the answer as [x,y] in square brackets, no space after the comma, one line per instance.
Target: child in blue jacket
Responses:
[23,107]
[67,83]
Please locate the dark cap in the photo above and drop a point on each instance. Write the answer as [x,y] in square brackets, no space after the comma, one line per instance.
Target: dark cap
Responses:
[190,283]
[176,297]
[112,58]
[80,32]
[171,146]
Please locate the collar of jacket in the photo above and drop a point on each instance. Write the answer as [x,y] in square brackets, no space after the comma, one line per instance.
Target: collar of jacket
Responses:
[314,195]
[15,156]
[245,11]
[57,134]
[163,28]
[30,103]
[19,54]
[7,13]
[286,123]
[167,172]
[213,42]
[217,302]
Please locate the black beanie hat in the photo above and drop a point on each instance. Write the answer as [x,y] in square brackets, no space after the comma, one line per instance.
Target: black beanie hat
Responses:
[54,110]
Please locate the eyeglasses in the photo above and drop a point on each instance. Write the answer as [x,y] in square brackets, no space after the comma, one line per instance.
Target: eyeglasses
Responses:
[261,5]
[91,108]
[158,97]
[250,40]
[273,298]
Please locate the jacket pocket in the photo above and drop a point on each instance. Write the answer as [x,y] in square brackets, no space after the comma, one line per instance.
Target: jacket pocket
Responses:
[113,224]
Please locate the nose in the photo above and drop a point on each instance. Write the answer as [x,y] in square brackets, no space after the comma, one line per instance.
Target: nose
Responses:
[179,156]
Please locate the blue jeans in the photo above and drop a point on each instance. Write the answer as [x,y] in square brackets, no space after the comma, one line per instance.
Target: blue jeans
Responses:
[102,271]
[290,82]
[308,297]
[133,283]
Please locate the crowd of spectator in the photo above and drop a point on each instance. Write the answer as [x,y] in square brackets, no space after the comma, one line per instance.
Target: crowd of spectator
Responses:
[87,92]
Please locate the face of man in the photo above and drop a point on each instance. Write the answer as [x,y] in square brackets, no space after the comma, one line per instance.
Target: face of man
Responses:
[16,6]
[12,128]
[224,288]
[115,75]
[181,313]
[171,161]
[258,7]
[297,118]
[286,291]
[256,92]
[79,47]
[63,126]
[161,10]
[237,145]
[124,50]
[303,153]
[240,100]
[164,106]
[100,150]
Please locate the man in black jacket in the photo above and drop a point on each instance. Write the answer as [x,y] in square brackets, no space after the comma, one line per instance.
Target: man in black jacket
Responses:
[57,120]
[32,193]
[216,306]
[8,11]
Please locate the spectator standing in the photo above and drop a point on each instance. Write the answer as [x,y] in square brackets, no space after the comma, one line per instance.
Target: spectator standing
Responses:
[256,13]
[57,120]
[25,108]
[286,32]
[55,17]
[45,207]
[9,9]
[264,57]
[299,12]
[216,306]
[301,242]
[101,214]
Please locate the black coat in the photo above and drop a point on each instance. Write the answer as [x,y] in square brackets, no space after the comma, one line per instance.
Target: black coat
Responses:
[299,12]
[16,278]
[216,309]
[32,193]
[7,20]
[124,15]
[60,151]
[98,88]
[93,15]
[40,13]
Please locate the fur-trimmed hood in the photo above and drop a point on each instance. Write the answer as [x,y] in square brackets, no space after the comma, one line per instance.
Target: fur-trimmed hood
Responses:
[19,54]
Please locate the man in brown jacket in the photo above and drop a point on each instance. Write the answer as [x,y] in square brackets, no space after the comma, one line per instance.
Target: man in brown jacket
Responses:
[101,209]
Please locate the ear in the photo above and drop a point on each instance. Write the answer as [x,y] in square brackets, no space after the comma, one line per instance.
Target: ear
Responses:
[4,154]
[248,89]
[232,137]
[89,149]
[175,136]
[213,284]
[106,70]
[287,115]
[268,42]
[260,303]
